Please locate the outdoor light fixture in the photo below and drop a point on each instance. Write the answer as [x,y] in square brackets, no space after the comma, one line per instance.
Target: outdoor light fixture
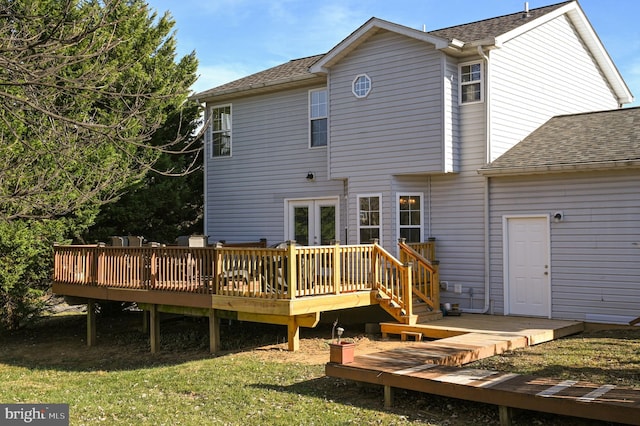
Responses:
[557,216]
[310,176]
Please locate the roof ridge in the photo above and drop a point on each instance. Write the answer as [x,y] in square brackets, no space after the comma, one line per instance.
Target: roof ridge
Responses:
[602,111]
[305,57]
[501,16]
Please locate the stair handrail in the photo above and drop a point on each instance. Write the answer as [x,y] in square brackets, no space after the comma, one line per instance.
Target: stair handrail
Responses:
[396,284]
[415,256]
[429,294]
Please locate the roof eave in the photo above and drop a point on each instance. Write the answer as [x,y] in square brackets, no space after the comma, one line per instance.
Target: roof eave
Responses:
[581,22]
[560,168]
[298,80]
[591,39]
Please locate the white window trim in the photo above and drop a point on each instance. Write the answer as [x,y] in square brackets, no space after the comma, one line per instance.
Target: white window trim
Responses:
[353,86]
[481,81]
[309,118]
[410,194]
[358,197]
[209,134]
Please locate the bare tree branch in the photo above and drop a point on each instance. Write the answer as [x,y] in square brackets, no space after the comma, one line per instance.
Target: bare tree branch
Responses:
[84,87]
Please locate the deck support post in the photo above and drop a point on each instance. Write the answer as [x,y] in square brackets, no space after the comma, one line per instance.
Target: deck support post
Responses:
[506,414]
[388,396]
[91,322]
[154,335]
[214,331]
[293,332]
[145,322]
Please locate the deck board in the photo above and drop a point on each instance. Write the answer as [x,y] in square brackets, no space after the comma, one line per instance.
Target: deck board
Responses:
[536,330]
[436,367]
[577,399]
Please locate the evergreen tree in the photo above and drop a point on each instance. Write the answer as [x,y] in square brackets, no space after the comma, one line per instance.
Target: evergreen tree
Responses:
[160,207]
[84,85]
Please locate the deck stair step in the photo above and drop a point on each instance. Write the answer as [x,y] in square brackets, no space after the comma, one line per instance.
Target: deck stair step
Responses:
[424,312]
[421,311]
[397,312]
[428,317]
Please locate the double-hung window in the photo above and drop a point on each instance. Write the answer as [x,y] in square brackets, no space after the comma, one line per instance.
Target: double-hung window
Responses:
[220,134]
[318,118]
[470,78]
[368,218]
[410,217]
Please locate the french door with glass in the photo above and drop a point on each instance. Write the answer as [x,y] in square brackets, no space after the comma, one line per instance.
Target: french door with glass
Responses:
[312,222]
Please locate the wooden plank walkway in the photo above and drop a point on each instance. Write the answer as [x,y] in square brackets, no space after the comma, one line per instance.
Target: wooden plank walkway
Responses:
[433,367]
[535,330]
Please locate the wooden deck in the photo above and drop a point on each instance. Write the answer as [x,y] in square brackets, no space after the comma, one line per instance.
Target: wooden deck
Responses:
[288,285]
[434,367]
[534,330]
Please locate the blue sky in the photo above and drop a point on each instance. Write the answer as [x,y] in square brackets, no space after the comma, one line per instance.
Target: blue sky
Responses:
[235,38]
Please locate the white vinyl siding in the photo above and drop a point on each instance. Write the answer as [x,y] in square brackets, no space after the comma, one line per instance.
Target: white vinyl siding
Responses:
[594,260]
[451,116]
[545,72]
[399,124]
[271,160]
[456,215]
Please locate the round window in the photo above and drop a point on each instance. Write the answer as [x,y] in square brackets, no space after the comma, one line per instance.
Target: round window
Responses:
[361,86]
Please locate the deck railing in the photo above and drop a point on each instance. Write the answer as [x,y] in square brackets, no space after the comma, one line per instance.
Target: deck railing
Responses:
[236,271]
[228,271]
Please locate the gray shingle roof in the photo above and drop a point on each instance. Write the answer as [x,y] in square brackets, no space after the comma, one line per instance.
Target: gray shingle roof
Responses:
[596,139]
[491,28]
[298,69]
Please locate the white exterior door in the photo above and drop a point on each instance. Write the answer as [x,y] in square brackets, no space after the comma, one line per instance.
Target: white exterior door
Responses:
[527,279]
[312,222]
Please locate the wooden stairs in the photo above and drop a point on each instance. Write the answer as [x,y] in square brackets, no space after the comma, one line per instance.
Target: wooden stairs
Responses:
[409,288]
[421,311]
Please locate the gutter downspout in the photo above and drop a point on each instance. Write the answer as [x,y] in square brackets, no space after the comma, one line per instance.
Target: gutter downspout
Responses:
[205,196]
[487,152]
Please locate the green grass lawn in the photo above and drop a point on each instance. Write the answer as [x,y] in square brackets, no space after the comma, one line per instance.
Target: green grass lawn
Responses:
[119,382]
[225,390]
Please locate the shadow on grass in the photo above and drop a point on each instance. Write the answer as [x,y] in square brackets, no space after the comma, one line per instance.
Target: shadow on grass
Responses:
[60,342]
[413,406]
[420,407]
[601,357]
